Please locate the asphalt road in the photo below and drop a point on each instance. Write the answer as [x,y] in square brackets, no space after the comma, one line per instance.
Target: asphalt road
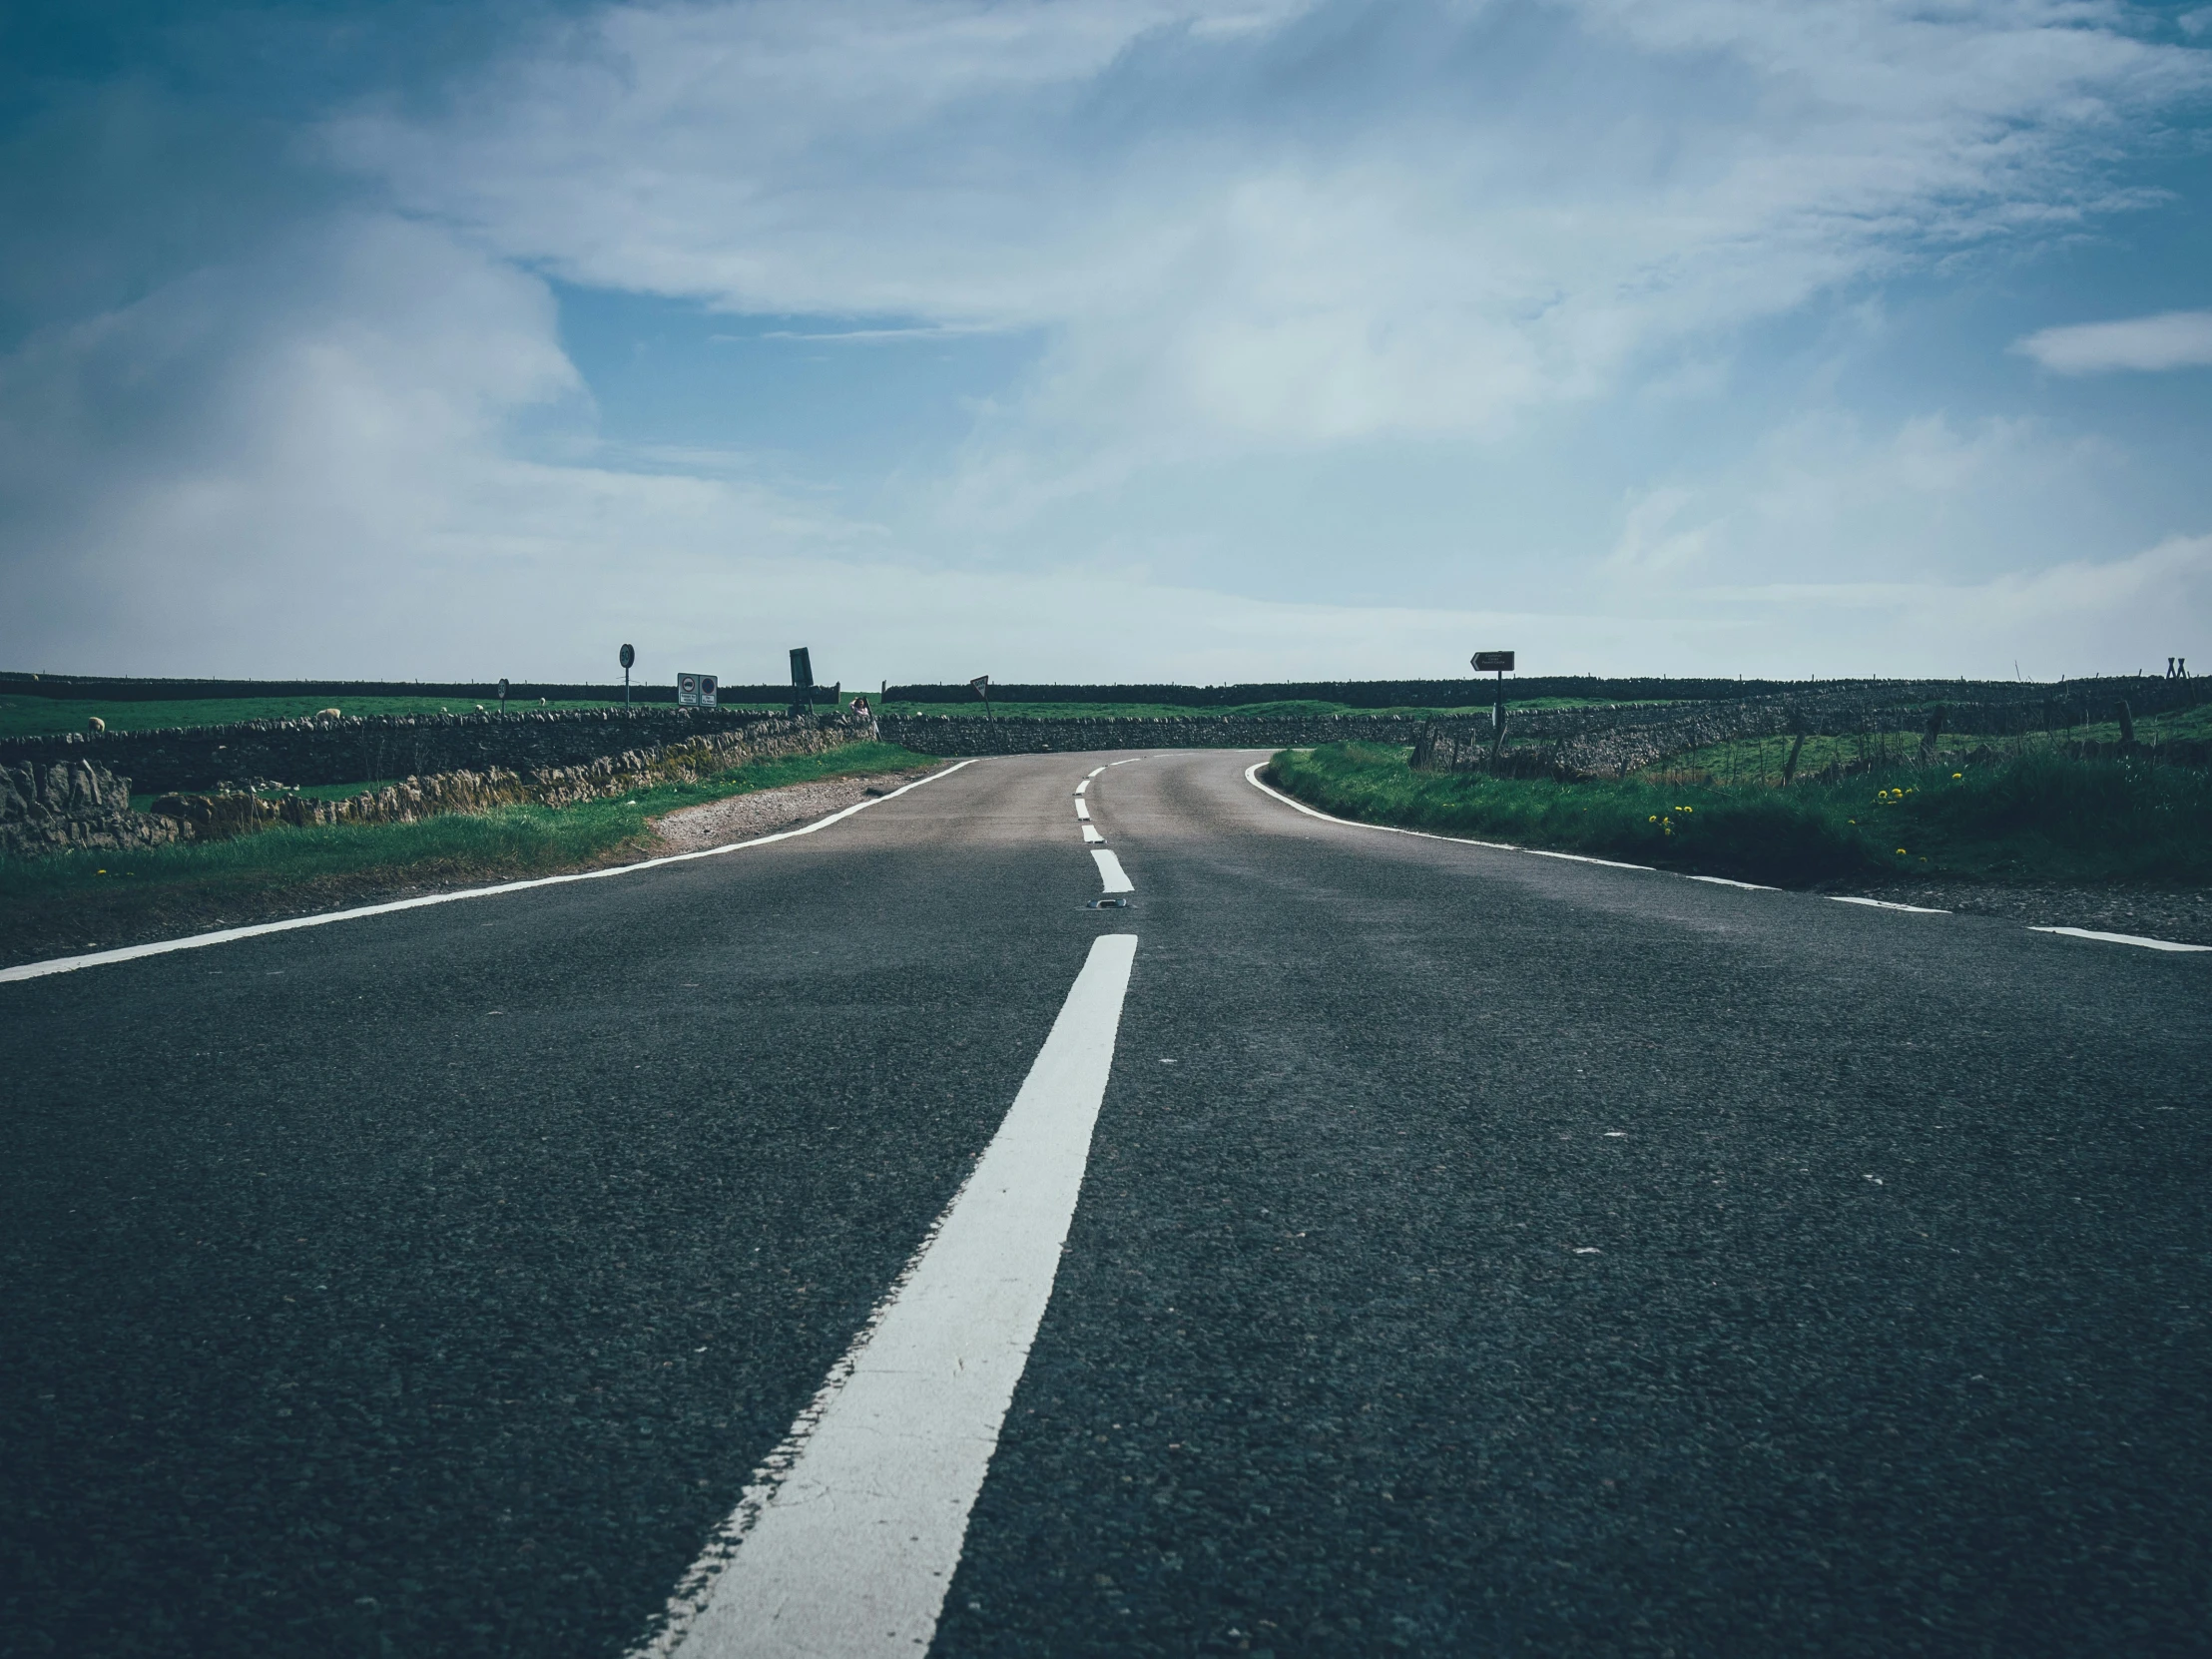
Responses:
[1480,1252]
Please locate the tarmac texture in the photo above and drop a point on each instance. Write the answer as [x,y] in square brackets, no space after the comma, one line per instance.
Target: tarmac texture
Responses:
[1480,1252]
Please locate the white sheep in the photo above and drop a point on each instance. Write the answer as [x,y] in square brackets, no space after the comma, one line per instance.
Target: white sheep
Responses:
[327,714]
[96,725]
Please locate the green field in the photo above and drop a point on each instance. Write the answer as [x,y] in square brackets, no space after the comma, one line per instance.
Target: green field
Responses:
[98,895]
[2035,817]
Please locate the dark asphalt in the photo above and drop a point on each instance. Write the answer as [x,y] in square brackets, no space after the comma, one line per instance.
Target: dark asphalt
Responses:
[1519,1257]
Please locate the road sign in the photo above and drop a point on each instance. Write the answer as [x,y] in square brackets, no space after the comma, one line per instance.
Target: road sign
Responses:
[695,691]
[1493,662]
[803,669]
[629,656]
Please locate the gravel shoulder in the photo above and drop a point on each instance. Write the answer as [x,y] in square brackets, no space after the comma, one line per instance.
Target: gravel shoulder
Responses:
[763,811]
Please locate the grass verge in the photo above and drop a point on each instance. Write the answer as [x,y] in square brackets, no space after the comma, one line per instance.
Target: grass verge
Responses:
[2033,818]
[82,901]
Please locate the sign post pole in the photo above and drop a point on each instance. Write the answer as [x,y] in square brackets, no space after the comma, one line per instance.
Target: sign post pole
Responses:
[1500,663]
[629,656]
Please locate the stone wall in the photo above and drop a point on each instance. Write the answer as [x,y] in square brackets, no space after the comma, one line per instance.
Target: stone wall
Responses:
[346,751]
[218,815]
[1610,742]
[970,735]
[72,806]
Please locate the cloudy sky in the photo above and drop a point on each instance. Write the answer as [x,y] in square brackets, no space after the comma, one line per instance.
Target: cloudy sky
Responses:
[1087,340]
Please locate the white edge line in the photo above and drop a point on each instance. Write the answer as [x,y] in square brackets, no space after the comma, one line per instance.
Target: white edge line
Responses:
[126,954]
[2122,938]
[1252,777]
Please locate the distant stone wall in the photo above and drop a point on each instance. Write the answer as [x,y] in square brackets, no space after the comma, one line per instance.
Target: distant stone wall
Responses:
[72,806]
[1610,742]
[970,735]
[352,749]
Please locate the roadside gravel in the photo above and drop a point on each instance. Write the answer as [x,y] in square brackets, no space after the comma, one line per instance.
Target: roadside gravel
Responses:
[763,811]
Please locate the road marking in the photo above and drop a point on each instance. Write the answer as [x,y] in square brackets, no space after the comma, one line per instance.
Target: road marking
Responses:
[2122,938]
[69,964]
[848,1536]
[1252,777]
[1083,788]
[1584,858]
[1090,833]
[1082,812]
[1110,872]
[1093,773]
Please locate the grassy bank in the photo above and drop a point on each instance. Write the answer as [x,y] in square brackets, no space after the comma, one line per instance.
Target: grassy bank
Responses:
[2039,816]
[77,901]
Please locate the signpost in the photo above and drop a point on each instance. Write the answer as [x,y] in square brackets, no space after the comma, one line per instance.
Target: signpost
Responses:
[1499,663]
[803,680]
[982,685]
[695,691]
[629,656]
[502,694]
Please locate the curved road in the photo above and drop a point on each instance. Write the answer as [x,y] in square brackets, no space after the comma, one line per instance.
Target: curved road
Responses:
[1474,1253]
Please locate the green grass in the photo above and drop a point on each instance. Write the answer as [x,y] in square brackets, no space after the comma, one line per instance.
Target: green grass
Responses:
[2039,817]
[512,842]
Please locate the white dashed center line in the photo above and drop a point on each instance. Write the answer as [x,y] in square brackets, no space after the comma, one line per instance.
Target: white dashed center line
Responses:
[1082,812]
[1886,905]
[1110,874]
[848,1537]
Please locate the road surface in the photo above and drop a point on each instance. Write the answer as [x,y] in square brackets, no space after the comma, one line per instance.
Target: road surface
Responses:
[1464,1252]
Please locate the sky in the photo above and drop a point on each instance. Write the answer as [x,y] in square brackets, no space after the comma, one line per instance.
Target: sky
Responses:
[1069,341]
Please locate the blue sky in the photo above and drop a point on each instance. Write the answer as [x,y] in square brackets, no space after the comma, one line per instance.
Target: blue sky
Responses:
[1133,340]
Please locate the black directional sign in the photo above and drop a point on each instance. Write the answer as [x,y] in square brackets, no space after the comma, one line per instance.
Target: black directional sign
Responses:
[1493,662]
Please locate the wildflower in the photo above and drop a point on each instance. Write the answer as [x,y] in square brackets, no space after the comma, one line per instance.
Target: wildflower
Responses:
[1654,818]
[1900,852]
[1957,775]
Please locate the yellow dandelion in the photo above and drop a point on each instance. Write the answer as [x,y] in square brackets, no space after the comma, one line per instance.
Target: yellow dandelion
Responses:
[1900,852]
[1957,775]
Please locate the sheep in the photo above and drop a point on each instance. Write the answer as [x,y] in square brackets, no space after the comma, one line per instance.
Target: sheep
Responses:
[96,725]
[327,714]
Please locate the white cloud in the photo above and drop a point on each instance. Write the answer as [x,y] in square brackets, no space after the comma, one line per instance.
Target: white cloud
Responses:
[1301,226]
[2171,339]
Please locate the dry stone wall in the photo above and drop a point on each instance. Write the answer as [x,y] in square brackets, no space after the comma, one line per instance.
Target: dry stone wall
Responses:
[1610,742]
[969,735]
[72,806]
[75,806]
